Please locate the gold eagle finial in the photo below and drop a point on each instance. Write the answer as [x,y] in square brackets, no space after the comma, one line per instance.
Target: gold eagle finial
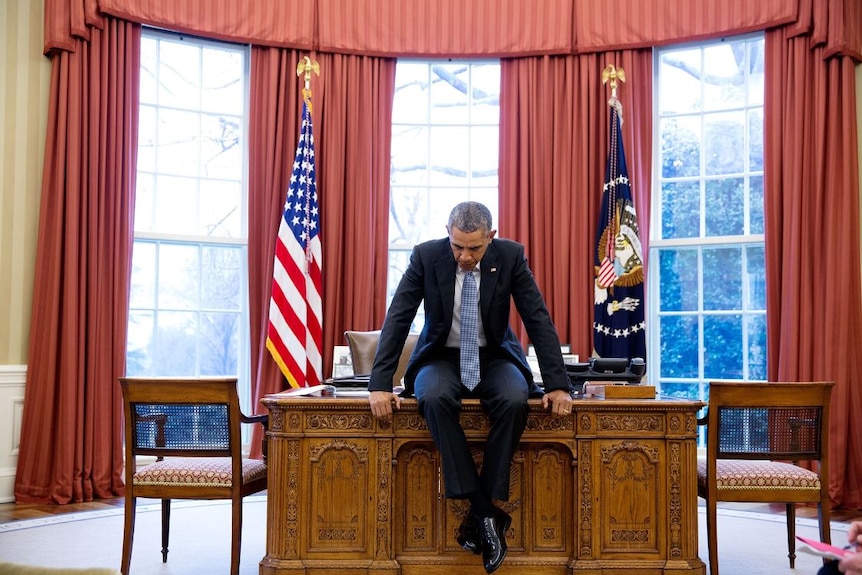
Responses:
[612,73]
[307,66]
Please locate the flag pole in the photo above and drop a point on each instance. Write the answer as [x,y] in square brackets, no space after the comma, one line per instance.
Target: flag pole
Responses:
[619,326]
[295,331]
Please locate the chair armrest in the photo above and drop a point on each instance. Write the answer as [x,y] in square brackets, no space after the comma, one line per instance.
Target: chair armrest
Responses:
[262,419]
[703,420]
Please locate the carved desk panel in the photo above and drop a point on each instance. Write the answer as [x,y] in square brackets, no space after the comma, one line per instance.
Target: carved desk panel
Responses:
[611,488]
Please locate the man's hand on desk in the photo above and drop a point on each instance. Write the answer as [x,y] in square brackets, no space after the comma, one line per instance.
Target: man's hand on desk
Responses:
[559,401]
[381,404]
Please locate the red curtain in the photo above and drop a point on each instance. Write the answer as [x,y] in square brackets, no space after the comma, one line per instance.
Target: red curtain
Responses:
[554,138]
[71,431]
[80,301]
[811,206]
[352,105]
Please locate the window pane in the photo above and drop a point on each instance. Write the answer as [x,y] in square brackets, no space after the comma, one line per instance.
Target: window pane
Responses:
[139,345]
[755,202]
[755,326]
[755,268]
[724,143]
[221,154]
[449,155]
[725,207]
[450,93]
[680,210]
[679,346]
[175,352]
[179,74]
[755,139]
[679,73]
[678,282]
[725,63]
[142,292]
[722,279]
[722,340]
[410,104]
[680,146]
[221,274]
[179,142]
[410,156]
[222,86]
[219,343]
[179,272]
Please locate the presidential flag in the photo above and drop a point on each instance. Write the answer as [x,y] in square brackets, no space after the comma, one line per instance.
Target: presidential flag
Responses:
[619,326]
[295,334]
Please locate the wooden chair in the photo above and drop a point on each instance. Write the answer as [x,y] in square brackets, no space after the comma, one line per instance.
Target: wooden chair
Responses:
[756,435]
[192,427]
[363,347]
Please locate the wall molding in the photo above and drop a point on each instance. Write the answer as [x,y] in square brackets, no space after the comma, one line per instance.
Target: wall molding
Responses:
[13,374]
[13,380]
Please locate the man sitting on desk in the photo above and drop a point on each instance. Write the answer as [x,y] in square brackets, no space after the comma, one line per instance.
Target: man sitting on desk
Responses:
[468,349]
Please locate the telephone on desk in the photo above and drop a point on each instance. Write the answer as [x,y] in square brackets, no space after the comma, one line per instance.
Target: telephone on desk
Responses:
[617,369]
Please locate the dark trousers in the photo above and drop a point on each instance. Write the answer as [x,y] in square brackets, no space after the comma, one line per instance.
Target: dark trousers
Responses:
[503,394]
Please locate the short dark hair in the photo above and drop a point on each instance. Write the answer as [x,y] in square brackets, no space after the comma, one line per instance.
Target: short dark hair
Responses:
[470,217]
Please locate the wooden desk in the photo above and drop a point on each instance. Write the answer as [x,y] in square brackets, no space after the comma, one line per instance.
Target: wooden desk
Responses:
[610,489]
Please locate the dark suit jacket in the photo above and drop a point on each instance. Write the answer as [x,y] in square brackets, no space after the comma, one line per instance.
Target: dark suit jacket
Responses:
[505,277]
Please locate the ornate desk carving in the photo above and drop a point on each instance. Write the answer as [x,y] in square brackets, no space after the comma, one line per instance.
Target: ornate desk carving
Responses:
[610,488]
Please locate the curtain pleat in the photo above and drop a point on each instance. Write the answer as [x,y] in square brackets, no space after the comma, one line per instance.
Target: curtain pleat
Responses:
[811,206]
[71,430]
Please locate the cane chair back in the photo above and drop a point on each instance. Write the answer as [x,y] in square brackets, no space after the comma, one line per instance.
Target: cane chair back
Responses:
[757,435]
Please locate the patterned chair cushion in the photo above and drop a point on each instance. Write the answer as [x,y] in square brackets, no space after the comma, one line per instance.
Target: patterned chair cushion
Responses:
[734,474]
[197,471]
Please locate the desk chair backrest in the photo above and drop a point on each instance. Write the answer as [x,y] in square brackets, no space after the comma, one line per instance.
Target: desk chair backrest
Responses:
[363,348]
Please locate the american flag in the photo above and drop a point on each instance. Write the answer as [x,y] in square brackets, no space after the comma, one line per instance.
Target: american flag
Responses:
[619,326]
[295,335]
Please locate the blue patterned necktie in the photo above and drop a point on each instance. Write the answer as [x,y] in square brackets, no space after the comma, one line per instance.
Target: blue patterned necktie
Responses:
[469,332]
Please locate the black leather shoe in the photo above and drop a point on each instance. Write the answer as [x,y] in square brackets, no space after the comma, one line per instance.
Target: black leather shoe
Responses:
[468,531]
[504,521]
[468,534]
[493,547]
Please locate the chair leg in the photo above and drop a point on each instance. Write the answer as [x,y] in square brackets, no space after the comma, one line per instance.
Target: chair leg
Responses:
[128,531]
[166,528]
[712,535]
[236,534]
[791,533]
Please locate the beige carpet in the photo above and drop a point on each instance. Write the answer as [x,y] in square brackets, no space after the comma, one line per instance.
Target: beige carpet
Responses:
[200,533]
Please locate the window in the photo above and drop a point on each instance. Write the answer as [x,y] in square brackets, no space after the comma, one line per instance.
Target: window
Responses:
[707,285]
[445,131]
[188,310]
